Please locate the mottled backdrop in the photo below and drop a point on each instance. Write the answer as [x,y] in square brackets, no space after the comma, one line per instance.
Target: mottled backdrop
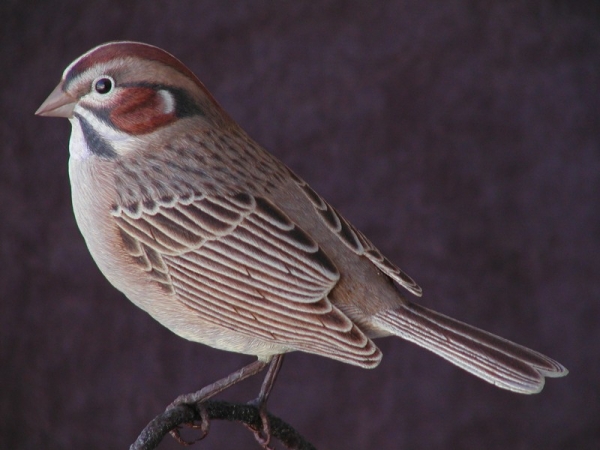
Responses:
[462,136]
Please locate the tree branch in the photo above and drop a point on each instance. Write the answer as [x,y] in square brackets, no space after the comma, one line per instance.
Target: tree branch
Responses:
[247,414]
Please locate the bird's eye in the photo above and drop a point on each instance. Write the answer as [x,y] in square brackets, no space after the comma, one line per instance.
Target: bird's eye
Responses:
[103,85]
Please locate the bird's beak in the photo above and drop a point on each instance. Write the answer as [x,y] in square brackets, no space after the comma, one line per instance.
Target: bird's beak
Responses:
[58,104]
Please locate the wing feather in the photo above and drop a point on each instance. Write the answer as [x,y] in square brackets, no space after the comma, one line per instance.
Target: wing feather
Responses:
[240,263]
[354,239]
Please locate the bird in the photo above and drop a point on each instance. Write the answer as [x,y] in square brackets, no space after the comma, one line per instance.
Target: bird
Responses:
[223,244]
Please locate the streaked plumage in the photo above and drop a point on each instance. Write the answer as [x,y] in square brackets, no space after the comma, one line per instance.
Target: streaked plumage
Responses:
[223,244]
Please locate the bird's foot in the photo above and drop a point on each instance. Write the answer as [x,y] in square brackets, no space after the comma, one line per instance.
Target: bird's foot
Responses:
[203,425]
[263,433]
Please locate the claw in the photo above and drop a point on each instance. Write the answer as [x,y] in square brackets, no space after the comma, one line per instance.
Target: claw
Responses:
[203,426]
[262,434]
[177,436]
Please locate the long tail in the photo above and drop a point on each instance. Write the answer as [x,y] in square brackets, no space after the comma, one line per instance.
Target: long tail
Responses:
[492,358]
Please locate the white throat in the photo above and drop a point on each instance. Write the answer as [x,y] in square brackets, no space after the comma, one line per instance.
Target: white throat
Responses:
[78,147]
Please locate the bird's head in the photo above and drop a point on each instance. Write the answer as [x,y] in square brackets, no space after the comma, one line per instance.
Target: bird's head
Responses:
[121,91]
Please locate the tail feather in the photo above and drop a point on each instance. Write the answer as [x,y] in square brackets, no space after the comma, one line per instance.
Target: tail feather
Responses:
[490,357]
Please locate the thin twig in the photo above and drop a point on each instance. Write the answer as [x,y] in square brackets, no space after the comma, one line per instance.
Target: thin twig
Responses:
[248,414]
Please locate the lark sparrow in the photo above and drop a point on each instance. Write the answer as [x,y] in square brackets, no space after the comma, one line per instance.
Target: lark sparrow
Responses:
[223,244]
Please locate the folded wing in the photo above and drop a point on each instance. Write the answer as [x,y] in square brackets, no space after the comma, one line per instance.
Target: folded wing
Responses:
[240,263]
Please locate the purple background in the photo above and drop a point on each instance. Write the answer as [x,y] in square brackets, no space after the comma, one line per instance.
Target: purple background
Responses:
[462,137]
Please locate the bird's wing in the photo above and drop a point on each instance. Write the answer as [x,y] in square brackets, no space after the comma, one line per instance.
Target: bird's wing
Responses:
[240,263]
[355,240]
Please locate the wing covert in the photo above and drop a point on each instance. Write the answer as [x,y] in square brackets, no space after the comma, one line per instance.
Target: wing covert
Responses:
[240,263]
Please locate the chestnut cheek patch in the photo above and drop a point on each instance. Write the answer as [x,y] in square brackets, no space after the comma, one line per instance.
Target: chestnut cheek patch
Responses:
[142,110]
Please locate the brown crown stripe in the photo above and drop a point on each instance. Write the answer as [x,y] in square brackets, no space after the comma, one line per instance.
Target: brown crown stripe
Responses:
[116,50]
[136,50]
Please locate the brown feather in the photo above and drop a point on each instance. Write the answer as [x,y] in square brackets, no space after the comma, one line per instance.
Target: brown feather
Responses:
[250,269]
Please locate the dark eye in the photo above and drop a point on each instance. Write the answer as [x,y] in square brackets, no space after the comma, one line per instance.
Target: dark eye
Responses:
[103,85]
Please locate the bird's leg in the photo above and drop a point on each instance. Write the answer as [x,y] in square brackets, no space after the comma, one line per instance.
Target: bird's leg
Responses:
[196,398]
[213,389]
[263,436]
